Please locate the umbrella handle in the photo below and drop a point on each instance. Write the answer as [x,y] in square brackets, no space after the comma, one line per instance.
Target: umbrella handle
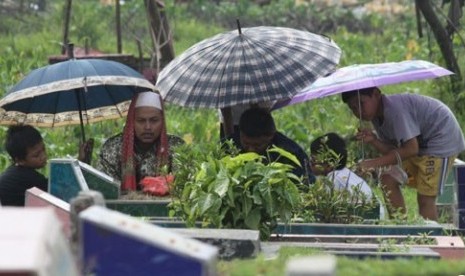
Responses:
[360,123]
[76,91]
[228,125]
[85,151]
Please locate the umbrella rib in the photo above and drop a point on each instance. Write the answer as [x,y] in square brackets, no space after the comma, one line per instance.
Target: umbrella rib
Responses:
[113,100]
[218,90]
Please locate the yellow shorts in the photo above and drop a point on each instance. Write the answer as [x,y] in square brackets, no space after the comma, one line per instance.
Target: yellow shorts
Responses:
[428,174]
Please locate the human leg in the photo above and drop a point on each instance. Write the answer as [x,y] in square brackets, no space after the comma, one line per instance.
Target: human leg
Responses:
[428,179]
[427,207]
[393,196]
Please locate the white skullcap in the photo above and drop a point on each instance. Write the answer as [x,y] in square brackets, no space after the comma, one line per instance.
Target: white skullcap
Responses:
[148,98]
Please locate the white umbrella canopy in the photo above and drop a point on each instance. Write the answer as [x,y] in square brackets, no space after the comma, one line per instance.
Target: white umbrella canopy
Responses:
[359,76]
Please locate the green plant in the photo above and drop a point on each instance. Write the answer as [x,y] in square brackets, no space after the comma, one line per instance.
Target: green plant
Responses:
[391,245]
[421,239]
[325,203]
[235,191]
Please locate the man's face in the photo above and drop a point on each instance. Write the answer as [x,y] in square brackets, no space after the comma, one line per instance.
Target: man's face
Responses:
[148,124]
[366,107]
[36,157]
[255,144]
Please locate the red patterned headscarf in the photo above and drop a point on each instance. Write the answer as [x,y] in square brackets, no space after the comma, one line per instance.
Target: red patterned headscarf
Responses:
[128,164]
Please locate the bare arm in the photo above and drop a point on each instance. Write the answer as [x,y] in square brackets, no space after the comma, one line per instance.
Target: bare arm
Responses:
[407,150]
[369,137]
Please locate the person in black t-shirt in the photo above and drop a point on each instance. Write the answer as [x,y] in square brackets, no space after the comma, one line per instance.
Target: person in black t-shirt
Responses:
[27,150]
[257,133]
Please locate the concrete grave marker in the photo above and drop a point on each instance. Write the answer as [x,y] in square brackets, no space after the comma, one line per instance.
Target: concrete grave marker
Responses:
[33,243]
[113,243]
[35,197]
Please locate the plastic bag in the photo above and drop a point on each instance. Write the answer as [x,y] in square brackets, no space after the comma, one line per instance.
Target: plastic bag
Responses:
[157,185]
[396,171]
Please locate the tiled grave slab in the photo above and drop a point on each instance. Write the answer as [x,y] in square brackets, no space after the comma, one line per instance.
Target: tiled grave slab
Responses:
[357,229]
[448,247]
[333,228]
[99,181]
[37,198]
[32,243]
[113,243]
[66,179]
[140,208]
[358,251]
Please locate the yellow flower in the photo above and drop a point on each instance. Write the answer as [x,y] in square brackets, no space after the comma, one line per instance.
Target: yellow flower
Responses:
[188,138]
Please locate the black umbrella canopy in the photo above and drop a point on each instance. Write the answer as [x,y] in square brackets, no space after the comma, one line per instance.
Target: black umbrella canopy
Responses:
[72,92]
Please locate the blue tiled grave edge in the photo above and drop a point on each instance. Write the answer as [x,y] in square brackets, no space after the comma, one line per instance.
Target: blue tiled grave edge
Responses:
[66,179]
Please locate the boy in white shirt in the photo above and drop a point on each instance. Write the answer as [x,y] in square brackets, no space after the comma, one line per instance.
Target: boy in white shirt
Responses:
[329,158]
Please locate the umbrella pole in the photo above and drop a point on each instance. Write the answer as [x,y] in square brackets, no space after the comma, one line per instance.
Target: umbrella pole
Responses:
[360,123]
[228,126]
[80,115]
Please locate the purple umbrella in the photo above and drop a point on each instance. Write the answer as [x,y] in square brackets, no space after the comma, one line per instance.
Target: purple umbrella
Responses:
[361,76]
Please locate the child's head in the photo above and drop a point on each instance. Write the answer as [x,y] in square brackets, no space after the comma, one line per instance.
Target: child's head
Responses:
[25,146]
[367,105]
[328,153]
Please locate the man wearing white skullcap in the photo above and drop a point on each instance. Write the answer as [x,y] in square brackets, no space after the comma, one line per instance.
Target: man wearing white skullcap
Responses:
[143,149]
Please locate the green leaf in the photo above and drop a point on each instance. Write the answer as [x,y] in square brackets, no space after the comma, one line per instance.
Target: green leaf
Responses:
[246,206]
[286,154]
[206,201]
[253,219]
[221,183]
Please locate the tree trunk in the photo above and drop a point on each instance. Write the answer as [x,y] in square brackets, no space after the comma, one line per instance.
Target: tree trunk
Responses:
[160,32]
[444,41]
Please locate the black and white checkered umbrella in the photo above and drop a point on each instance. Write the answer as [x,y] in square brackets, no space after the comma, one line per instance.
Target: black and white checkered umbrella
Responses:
[258,64]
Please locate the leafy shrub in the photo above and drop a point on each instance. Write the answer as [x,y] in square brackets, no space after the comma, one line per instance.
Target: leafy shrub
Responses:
[234,191]
[323,203]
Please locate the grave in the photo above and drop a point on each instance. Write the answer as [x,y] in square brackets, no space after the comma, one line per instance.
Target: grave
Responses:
[99,181]
[112,243]
[35,197]
[460,191]
[69,176]
[319,265]
[35,243]
[66,179]
[446,247]
[231,243]
[156,212]
[447,201]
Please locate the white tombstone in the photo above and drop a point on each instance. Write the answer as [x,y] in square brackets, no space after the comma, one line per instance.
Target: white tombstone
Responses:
[35,197]
[318,265]
[32,243]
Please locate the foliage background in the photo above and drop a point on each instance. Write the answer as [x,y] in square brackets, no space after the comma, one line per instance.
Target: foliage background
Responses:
[28,37]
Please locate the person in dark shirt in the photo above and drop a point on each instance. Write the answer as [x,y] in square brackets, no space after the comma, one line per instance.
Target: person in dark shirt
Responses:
[257,133]
[27,150]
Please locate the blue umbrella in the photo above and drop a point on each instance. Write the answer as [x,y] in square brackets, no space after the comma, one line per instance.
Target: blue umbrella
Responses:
[72,92]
